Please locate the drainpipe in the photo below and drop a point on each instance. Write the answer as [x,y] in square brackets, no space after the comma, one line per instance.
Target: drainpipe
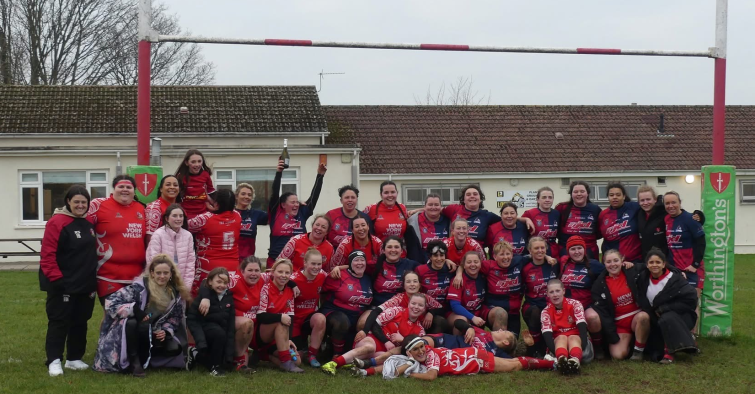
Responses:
[156,152]
[118,167]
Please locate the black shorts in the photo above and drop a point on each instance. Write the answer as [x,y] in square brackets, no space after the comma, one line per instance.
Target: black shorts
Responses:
[301,340]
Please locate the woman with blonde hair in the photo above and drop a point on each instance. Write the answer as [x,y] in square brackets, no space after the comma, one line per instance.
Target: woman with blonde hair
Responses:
[149,315]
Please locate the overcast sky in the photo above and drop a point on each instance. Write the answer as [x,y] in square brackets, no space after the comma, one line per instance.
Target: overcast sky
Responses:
[396,77]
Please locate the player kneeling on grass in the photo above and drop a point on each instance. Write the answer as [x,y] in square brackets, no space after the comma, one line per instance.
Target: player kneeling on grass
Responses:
[463,361]
[564,328]
[389,331]
[213,326]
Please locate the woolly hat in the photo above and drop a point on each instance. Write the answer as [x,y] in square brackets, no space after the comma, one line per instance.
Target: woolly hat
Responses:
[574,241]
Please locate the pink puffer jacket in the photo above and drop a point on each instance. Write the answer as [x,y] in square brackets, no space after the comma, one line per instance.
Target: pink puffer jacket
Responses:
[181,244]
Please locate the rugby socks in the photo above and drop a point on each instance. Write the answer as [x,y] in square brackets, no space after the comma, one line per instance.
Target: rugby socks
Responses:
[373,362]
[576,352]
[338,346]
[284,356]
[370,371]
[535,363]
[340,361]
[597,340]
[561,352]
[313,351]
[239,360]
[639,347]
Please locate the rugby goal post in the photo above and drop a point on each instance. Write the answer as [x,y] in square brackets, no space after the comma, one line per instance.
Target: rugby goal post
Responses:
[717,297]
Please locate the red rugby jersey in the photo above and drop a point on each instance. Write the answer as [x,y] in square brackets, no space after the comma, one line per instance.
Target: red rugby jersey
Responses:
[297,247]
[455,254]
[563,321]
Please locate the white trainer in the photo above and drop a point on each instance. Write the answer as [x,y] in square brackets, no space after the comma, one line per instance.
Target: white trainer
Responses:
[55,369]
[76,365]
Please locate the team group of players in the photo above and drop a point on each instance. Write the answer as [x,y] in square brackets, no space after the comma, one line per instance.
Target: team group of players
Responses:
[400,292]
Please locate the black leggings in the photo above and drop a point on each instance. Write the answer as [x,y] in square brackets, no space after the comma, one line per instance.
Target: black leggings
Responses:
[216,342]
[337,325]
[67,317]
[138,335]
[532,318]
[440,326]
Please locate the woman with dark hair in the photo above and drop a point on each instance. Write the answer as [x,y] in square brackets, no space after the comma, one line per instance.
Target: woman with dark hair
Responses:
[217,235]
[435,276]
[119,223]
[344,299]
[466,300]
[148,317]
[545,220]
[388,216]
[250,219]
[390,269]
[425,227]
[67,272]
[195,178]
[297,246]
[168,190]
[618,223]
[510,230]
[175,240]
[650,222]
[342,218]
[579,216]
[470,207]
[287,216]
[670,301]
[361,239]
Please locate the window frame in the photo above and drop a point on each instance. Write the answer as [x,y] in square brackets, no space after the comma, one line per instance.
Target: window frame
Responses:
[39,185]
[232,182]
[429,186]
[742,198]
[603,201]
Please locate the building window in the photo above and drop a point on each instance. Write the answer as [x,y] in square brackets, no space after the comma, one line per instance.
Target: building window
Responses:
[260,179]
[414,195]
[44,191]
[747,191]
[599,191]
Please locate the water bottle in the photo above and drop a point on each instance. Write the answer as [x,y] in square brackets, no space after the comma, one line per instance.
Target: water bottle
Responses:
[294,355]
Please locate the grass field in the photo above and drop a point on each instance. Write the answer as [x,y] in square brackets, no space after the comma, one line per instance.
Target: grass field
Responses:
[724,367]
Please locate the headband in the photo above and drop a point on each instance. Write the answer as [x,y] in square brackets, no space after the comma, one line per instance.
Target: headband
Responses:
[413,343]
[438,248]
[124,181]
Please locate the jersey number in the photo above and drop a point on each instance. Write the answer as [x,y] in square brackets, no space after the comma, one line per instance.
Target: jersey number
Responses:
[228,240]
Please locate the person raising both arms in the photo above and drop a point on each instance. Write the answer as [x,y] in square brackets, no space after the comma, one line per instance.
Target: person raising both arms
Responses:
[579,216]
[286,215]
[546,220]
[343,218]
[360,239]
[250,219]
[195,179]
[298,245]
[618,224]
[168,191]
[615,298]
[425,227]
[510,230]
[388,216]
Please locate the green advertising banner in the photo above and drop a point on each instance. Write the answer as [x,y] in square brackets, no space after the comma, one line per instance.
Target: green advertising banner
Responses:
[147,181]
[718,204]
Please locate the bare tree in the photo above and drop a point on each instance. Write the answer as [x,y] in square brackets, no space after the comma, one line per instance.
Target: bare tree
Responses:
[460,92]
[90,42]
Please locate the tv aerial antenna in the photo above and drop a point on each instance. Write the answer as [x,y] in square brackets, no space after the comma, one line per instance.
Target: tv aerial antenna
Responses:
[323,74]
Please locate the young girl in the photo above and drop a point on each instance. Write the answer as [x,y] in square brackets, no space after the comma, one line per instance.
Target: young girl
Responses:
[564,328]
[212,324]
[195,177]
[175,240]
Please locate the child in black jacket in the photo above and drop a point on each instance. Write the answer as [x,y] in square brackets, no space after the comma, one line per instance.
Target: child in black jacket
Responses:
[211,320]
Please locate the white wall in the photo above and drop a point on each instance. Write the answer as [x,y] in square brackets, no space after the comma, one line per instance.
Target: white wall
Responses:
[690,193]
[12,163]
